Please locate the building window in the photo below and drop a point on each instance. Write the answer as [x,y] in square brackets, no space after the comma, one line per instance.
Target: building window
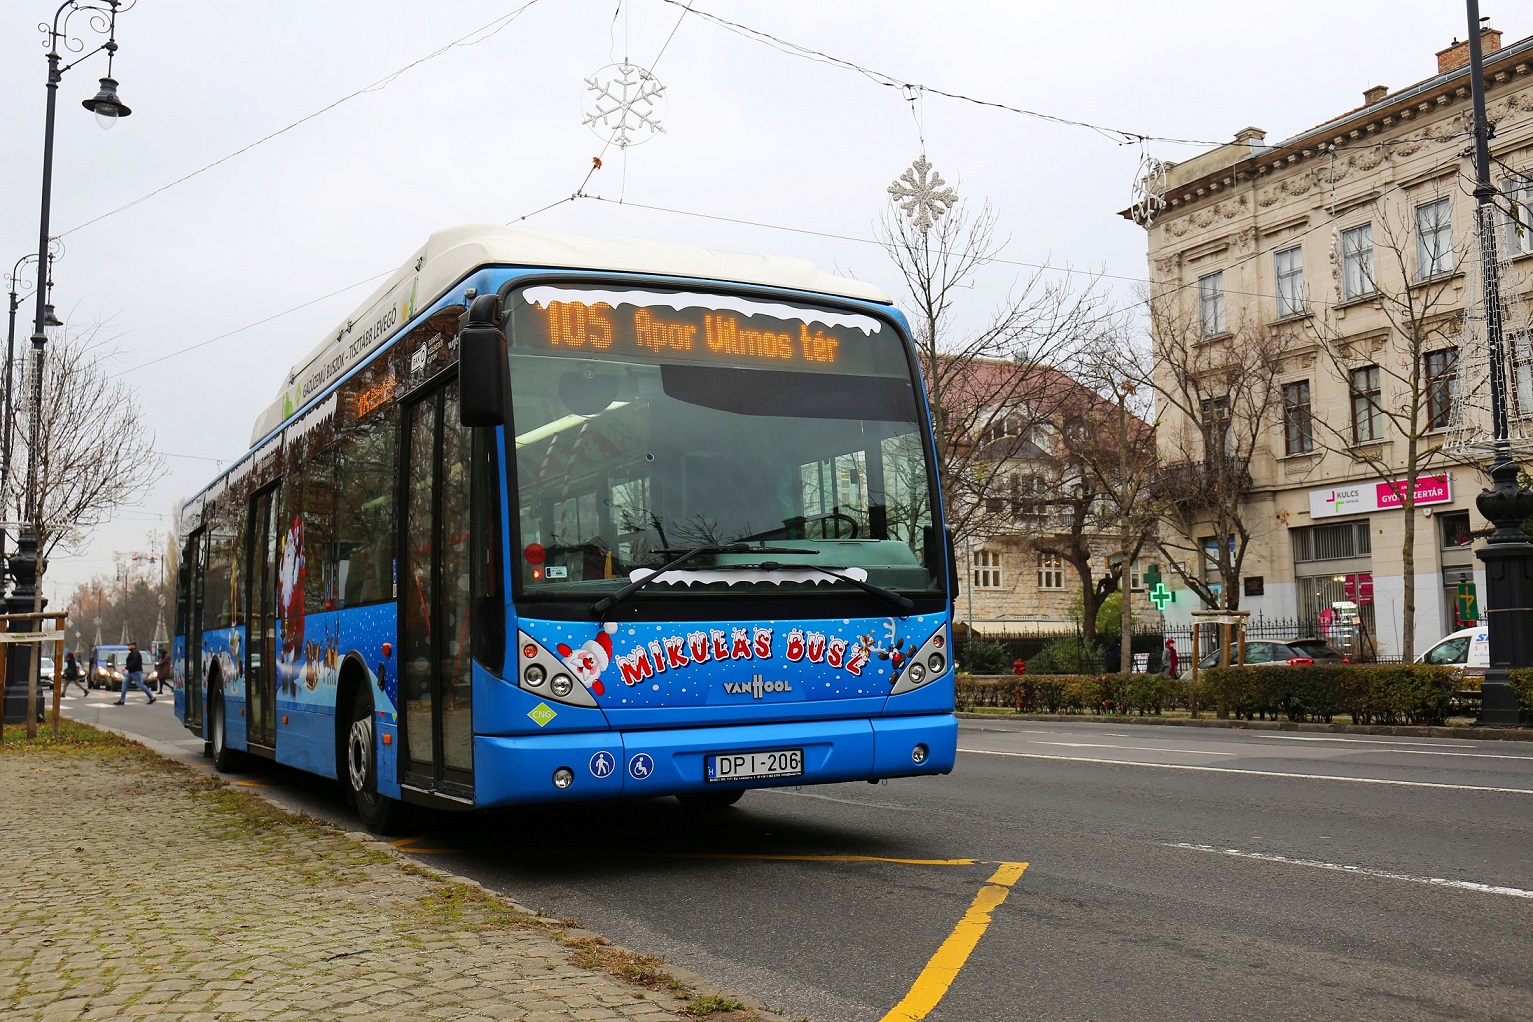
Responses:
[1442,386]
[1003,425]
[1434,239]
[1455,530]
[1367,412]
[1290,282]
[1298,427]
[1135,577]
[1026,494]
[1051,571]
[1211,303]
[1218,433]
[986,569]
[1331,542]
[1518,195]
[1357,262]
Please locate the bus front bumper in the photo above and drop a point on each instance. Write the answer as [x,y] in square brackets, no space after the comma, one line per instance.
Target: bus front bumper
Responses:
[643,764]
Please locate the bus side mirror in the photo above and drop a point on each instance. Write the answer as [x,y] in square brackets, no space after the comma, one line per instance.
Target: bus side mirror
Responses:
[483,368]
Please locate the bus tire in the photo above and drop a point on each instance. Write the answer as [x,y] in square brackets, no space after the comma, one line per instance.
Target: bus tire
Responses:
[225,759]
[710,800]
[379,813]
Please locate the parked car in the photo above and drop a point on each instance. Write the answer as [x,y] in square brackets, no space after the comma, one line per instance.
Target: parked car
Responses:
[45,671]
[1468,648]
[1319,651]
[1261,654]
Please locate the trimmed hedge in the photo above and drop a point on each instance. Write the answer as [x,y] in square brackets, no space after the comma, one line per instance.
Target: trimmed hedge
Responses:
[1368,693]
[1074,693]
[1521,681]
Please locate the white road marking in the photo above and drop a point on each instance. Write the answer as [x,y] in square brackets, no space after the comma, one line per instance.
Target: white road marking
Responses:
[1383,874]
[1353,741]
[1135,748]
[1400,747]
[1255,773]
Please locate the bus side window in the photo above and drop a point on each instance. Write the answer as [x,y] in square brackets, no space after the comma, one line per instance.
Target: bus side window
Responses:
[367,460]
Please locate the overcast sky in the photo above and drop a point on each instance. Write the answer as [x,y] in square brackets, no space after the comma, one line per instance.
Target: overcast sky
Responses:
[215,285]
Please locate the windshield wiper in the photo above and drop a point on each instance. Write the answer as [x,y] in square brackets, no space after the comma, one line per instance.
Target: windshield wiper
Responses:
[904,603]
[606,603]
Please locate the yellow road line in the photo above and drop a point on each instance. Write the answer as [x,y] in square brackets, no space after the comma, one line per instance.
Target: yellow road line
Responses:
[249,784]
[943,968]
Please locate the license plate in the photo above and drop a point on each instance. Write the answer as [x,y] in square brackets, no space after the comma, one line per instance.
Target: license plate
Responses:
[749,766]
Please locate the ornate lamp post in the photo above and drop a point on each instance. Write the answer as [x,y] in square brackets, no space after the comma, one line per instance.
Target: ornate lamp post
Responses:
[1508,555]
[101,17]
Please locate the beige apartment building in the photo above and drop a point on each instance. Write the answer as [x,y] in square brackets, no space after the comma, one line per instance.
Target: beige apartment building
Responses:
[1349,250]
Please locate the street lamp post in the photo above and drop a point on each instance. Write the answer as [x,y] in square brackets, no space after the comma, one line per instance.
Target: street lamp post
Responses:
[25,563]
[1508,555]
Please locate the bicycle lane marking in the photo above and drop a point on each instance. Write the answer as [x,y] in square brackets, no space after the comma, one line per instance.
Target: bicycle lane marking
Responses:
[943,967]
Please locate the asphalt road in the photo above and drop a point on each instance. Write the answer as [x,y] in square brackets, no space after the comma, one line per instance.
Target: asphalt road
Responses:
[1172,873]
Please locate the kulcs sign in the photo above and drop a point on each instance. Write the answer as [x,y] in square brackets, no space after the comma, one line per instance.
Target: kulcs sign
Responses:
[1361,498]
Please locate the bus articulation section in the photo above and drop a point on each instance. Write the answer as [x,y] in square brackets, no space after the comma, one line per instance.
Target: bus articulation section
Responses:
[552,518]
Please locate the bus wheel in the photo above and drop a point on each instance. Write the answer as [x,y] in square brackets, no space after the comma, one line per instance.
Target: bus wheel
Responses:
[705,800]
[225,759]
[380,814]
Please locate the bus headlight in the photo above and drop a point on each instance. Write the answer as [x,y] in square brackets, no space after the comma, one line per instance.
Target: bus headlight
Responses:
[561,684]
[918,754]
[936,663]
[917,673]
[534,675]
[563,778]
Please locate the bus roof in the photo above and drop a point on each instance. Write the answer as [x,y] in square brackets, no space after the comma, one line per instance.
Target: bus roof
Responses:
[452,255]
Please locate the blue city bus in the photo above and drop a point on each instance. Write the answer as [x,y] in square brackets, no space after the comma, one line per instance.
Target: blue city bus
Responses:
[552,518]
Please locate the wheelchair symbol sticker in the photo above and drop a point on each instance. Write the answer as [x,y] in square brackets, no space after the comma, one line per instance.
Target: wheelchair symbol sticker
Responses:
[641,766]
[602,764]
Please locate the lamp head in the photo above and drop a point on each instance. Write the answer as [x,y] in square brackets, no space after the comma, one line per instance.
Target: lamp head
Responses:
[52,325]
[105,104]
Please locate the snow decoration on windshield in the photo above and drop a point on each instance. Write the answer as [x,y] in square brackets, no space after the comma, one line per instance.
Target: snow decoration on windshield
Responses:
[628,104]
[922,197]
[779,576]
[539,296]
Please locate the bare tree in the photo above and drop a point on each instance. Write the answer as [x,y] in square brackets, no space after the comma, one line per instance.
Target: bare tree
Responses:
[1401,368]
[1120,455]
[94,454]
[1217,397]
[994,372]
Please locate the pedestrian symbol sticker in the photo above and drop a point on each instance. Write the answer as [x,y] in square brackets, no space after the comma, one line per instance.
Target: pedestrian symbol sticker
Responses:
[602,764]
[641,766]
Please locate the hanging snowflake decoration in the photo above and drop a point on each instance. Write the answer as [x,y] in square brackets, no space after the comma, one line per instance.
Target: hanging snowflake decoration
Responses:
[629,104]
[921,195]
[1149,190]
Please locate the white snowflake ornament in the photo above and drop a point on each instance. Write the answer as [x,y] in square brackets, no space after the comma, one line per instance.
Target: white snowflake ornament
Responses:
[629,104]
[922,197]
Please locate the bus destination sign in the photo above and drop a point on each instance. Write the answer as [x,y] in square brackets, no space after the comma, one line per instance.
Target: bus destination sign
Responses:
[689,327]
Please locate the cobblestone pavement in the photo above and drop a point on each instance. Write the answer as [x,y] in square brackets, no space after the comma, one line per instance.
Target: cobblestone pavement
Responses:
[136,890]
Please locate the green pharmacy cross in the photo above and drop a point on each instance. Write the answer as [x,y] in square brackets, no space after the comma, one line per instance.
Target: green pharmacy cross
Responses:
[1160,596]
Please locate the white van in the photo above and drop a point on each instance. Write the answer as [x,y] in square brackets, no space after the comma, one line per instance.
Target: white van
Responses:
[1467,647]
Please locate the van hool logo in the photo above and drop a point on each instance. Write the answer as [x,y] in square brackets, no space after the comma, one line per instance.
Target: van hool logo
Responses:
[756,688]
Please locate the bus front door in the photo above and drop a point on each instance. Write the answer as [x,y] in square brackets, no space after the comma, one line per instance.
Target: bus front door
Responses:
[434,601]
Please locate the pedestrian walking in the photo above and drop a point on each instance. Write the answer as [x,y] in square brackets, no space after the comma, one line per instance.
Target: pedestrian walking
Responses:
[162,669]
[133,674]
[72,673]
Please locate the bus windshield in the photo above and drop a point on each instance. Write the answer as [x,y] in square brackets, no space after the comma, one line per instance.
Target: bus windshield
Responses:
[649,422]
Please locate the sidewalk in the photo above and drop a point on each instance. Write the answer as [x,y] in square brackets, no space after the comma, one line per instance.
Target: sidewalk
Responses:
[136,889]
